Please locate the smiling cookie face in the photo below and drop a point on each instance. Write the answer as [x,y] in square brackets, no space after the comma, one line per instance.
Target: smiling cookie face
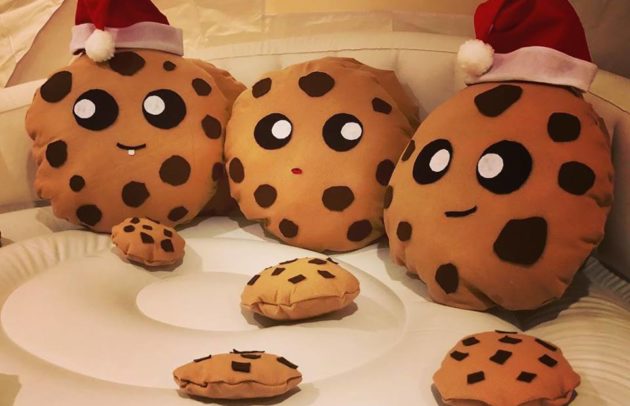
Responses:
[311,148]
[138,136]
[501,195]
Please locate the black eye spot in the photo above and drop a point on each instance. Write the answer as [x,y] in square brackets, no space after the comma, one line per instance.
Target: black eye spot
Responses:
[164,109]
[504,167]
[342,132]
[273,131]
[433,162]
[95,110]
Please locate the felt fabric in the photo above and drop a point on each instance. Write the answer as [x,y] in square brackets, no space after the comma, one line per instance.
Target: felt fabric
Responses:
[238,375]
[310,148]
[505,369]
[147,242]
[138,136]
[300,289]
[501,196]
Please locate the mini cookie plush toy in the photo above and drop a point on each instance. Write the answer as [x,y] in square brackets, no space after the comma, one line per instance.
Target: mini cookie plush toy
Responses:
[299,289]
[131,129]
[311,148]
[238,375]
[505,369]
[505,188]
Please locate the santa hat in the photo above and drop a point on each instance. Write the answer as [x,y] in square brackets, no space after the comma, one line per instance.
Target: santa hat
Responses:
[101,26]
[530,40]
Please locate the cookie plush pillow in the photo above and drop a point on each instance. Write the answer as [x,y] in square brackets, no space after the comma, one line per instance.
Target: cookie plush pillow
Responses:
[311,148]
[504,190]
[138,135]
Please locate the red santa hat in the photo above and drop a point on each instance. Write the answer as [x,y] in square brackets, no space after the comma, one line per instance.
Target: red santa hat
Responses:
[101,26]
[530,40]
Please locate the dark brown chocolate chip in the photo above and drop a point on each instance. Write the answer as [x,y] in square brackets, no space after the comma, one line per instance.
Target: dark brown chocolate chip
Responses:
[177,213]
[57,87]
[316,84]
[563,127]
[359,230]
[325,274]
[169,66]
[381,106]
[505,332]
[261,87]
[470,341]
[167,246]
[146,238]
[202,359]
[500,357]
[89,214]
[384,171]
[147,227]
[265,195]
[404,230]
[475,377]
[317,261]
[253,280]
[57,153]
[288,228]
[277,271]
[337,198]
[576,178]
[134,220]
[526,377]
[236,170]
[297,279]
[329,259]
[548,346]
[493,102]
[235,351]
[510,340]
[523,241]
[251,356]
[134,194]
[447,277]
[212,127]
[218,171]
[77,183]
[129,229]
[411,147]
[288,262]
[459,356]
[175,171]
[241,366]
[547,360]
[389,196]
[126,63]
[168,233]
[202,88]
[286,362]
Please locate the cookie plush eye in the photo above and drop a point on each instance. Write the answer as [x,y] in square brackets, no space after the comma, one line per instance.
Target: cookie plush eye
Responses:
[273,131]
[164,109]
[504,167]
[95,110]
[342,132]
[433,162]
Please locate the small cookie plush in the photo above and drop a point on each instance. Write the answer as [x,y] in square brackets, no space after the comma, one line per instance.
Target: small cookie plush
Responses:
[238,375]
[300,289]
[502,368]
[148,242]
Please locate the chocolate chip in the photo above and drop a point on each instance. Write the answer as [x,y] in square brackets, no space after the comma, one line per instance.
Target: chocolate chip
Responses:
[510,340]
[526,377]
[316,84]
[89,214]
[563,127]
[241,367]
[202,88]
[57,153]
[236,170]
[261,87]
[146,238]
[211,127]
[168,233]
[548,346]
[384,171]
[475,377]
[403,232]
[500,357]
[297,279]
[576,178]
[547,360]
[389,196]
[522,241]
[147,227]
[381,106]
[134,194]
[57,87]
[359,230]
[175,171]
[77,183]
[493,102]
[134,220]
[505,332]
[265,195]
[325,274]
[177,213]
[288,262]
[129,229]
[203,359]
[277,271]
[470,341]
[167,246]
[411,147]
[288,228]
[337,198]
[286,362]
[253,280]
[459,356]
[447,277]
[218,171]
[317,261]
[126,63]
[251,356]
[331,260]
[169,66]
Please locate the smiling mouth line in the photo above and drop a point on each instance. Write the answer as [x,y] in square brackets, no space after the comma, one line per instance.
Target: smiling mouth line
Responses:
[460,213]
[131,150]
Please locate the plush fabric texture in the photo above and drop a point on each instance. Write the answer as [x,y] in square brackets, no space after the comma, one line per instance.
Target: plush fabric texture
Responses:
[501,195]
[139,136]
[502,368]
[147,242]
[300,289]
[311,148]
[238,375]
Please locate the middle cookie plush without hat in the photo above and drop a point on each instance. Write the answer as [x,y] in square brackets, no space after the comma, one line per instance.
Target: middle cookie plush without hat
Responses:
[310,149]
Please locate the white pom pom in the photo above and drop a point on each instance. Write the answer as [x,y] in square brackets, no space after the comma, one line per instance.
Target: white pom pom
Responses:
[475,57]
[100,46]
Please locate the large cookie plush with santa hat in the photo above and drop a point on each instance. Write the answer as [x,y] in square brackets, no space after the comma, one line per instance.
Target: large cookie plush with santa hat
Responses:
[310,149]
[138,132]
[504,190]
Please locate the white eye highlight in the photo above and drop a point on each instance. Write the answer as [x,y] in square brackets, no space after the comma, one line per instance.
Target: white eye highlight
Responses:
[490,166]
[351,131]
[440,160]
[154,105]
[281,129]
[84,109]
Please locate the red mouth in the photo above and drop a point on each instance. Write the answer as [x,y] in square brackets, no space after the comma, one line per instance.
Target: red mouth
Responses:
[296,171]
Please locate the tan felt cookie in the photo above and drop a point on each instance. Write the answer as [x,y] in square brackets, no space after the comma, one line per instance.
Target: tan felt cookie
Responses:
[147,242]
[505,369]
[238,375]
[310,148]
[300,289]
